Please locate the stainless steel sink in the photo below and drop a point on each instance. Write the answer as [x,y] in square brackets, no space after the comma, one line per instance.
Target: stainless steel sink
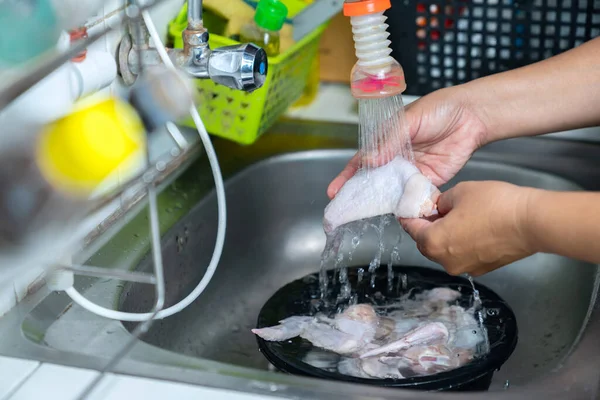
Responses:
[275,235]
[276,196]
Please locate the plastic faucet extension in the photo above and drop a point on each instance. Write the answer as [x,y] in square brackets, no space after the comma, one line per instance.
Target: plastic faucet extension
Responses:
[376,74]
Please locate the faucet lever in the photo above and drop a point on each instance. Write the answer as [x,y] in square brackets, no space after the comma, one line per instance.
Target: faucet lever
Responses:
[242,67]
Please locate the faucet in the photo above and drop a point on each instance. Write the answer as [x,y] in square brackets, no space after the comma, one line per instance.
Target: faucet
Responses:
[241,67]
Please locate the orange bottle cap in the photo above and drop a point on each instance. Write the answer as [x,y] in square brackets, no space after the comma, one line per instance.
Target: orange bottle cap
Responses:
[355,8]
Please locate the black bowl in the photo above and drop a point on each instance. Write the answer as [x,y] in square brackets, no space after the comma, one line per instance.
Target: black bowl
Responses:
[300,297]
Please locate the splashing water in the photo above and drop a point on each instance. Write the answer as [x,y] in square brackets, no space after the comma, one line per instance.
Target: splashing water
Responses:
[476,299]
[376,261]
[478,312]
[394,259]
[330,252]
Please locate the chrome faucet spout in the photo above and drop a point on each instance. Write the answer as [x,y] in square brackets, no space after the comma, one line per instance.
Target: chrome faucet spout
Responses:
[240,67]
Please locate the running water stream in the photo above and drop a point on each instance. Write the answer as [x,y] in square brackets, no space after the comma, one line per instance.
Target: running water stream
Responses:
[383,136]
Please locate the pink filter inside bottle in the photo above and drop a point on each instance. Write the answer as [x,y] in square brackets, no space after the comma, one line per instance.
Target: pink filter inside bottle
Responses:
[389,83]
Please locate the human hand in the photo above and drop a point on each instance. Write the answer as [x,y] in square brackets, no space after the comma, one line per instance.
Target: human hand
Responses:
[481,226]
[445,130]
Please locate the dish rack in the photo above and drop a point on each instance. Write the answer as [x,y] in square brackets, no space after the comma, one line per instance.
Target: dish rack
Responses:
[446,43]
[243,117]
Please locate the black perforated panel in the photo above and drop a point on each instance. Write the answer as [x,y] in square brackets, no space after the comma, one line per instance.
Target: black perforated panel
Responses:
[443,43]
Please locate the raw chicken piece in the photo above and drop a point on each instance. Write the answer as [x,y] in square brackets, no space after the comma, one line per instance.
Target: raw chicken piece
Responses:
[396,188]
[329,338]
[372,368]
[465,331]
[287,329]
[361,319]
[429,333]
[405,325]
[321,359]
[385,328]
[443,294]
[358,320]
[352,367]
[427,359]
[377,369]
[404,365]
[436,358]
[348,333]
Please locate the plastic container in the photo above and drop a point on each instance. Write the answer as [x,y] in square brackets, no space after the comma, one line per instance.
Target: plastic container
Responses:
[446,43]
[242,117]
[263,30]
[298,298]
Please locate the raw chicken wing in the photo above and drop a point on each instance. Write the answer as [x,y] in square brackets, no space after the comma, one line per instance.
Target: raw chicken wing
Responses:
[397,187]
[426,334]
[287,329]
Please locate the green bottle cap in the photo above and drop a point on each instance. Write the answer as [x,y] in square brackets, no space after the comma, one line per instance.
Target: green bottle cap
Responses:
[270,14]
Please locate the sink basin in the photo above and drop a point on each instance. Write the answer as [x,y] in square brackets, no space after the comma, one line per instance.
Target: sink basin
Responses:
[276,196]
[275,235]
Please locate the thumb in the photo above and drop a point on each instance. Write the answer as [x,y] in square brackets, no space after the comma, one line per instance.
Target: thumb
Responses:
[415,227]
[446,201]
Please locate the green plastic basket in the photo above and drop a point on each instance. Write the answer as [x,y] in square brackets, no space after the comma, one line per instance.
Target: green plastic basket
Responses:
[243,117]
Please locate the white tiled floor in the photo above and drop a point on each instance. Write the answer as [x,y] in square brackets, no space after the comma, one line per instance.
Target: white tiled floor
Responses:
[55,382]
[124,387]
[31,380]
[13,372]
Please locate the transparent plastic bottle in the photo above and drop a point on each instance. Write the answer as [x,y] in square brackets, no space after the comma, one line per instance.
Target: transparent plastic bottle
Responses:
[376,74]
[263,30]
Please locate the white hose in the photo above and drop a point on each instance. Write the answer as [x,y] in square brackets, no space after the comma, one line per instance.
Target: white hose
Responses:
[222,213]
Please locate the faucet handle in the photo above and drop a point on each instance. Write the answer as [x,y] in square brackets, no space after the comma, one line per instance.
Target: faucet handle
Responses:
[242,67]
